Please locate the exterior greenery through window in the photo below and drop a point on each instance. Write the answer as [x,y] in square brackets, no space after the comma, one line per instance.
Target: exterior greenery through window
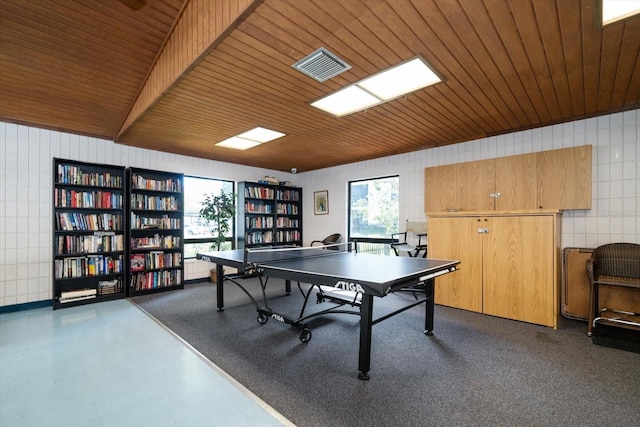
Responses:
[374,212]
[198,237]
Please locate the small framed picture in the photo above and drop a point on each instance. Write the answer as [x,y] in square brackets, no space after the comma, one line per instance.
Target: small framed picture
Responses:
[321,202]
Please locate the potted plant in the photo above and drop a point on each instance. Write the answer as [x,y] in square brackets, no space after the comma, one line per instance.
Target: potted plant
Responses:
[217,210]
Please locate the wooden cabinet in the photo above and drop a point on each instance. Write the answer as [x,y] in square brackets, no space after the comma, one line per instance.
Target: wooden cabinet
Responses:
[556,179]
[564,178]
[440,188]
[517,182]
[457,238]
[476,181]
[509,263]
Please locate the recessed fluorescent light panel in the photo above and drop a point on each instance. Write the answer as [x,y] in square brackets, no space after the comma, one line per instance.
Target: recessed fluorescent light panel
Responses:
[404,78]
[250,138]
[615,10]
[389,84]
[346,101]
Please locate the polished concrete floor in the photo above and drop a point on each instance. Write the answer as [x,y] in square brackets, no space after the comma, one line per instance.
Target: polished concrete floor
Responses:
[110,364]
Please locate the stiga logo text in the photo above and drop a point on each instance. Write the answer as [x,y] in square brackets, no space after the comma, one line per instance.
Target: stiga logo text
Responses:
[349,286]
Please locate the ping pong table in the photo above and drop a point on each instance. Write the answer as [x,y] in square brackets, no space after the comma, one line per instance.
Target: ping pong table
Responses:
[362,276]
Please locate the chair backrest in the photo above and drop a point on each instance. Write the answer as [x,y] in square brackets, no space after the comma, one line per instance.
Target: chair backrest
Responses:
[416,227]
[617,260]
[334,238]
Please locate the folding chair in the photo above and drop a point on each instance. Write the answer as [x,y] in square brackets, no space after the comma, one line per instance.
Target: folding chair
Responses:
[405,241]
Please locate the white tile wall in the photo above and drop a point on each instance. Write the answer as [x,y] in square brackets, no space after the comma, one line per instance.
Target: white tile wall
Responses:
[26,155]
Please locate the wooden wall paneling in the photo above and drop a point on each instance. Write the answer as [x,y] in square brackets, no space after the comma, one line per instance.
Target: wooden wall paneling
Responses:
[180,52]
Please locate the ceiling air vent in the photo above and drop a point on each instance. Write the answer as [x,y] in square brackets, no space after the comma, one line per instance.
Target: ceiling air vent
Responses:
[321,65]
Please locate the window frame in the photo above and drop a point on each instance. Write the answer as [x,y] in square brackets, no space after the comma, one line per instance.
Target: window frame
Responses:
[211,239]
[381,240]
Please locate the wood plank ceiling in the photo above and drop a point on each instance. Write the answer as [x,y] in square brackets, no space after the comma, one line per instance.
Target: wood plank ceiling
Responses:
[180,75]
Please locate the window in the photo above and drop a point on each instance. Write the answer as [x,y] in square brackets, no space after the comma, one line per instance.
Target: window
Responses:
[198,237]
[374,213]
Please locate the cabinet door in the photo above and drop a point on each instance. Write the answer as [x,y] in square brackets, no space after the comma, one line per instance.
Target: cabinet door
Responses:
[458,239]
[516,181]
[476,181]
[519,269]
[564,178]
[440,188]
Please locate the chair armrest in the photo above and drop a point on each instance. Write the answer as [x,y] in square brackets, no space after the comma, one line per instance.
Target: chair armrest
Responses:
[590,270]
[395,236]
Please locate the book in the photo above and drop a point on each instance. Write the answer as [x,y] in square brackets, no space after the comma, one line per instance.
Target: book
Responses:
[137,262]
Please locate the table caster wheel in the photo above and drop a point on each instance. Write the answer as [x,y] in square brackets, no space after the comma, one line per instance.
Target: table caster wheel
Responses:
[305,335]
[262,318]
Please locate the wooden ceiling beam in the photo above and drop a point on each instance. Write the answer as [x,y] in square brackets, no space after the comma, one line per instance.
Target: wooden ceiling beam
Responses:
[199,28]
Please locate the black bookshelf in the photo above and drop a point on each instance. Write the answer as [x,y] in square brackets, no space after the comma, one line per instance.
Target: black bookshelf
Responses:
[269,215]
[156,238]
[89,242]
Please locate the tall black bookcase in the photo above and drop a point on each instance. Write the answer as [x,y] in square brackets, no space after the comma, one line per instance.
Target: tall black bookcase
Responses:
[269,215]
[156,238]
[89,232]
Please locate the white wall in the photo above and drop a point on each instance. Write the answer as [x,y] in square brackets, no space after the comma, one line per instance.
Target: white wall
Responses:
[26,155]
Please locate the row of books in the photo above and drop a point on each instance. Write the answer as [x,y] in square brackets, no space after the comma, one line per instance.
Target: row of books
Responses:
[259,192]
[109,287]
[141,183]
[76,221]
[156,203]
[287,236]
[287,208]
[155,260]
[90,265]
[293,195]
[258,238]
[257,208]
[155,279]
[74,175]
[283,222]
[77,295]
[99,242]
[64,198]
[165,222]
[157,241]
[259,222]
[105,287]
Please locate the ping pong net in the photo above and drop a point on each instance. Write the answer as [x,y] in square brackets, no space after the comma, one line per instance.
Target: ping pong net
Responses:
[272,254]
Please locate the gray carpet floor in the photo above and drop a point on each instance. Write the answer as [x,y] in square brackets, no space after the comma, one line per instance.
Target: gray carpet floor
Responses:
[476,370]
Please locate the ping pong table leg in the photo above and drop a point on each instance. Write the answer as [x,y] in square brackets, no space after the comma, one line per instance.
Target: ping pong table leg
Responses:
[366,320]
[220,286]
[429,306]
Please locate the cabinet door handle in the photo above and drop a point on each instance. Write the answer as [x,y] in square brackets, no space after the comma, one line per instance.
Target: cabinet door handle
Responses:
[483,230]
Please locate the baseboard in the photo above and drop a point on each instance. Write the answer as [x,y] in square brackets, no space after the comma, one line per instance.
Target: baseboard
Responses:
[25,306]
